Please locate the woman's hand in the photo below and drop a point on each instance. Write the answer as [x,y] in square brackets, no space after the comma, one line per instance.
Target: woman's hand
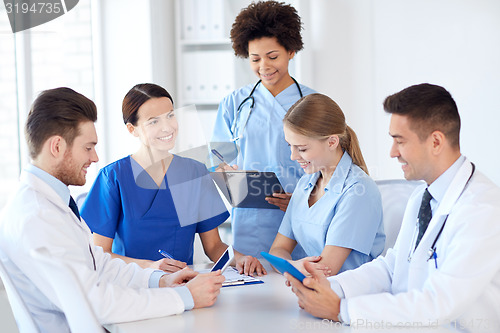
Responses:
[320,268]
[226,167]
[168,265]
[280,199]
[248,265]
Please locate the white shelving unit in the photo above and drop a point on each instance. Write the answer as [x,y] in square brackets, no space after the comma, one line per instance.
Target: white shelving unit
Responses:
[207,69]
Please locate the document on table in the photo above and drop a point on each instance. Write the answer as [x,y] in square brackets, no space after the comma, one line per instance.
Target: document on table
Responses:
[233,278]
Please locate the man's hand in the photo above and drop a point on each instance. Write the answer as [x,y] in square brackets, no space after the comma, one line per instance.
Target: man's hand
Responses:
[248,265]
[178,278]
[205,288]
[168,265]
[280,199]
[315,295]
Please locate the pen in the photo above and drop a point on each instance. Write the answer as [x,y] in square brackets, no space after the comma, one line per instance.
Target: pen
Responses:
[166,254]
[219,156]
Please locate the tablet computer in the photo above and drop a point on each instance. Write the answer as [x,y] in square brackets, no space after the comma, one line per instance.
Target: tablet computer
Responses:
[283,266]
[225,260]
[247,189]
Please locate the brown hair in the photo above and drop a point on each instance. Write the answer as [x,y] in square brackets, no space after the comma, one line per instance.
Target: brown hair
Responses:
[57,111]
[267,19]
[138,95]
[318,116]
[430,108]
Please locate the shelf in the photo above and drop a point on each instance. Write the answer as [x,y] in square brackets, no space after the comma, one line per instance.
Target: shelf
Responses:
[201,42]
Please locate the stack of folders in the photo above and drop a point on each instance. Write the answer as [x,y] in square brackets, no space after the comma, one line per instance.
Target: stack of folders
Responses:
[203,20]
[208,75]
[233,278]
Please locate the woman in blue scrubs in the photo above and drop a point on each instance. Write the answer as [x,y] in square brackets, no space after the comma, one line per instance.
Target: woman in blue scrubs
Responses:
[268,33]
[335,212]
[153,200]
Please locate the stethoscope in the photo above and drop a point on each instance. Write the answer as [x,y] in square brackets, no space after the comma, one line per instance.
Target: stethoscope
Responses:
[250,99]
[432,250]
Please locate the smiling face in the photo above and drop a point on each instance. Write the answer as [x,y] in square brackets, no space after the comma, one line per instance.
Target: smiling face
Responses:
[313,155]
[156,125]
[414,154]
[269,61]
[72,170]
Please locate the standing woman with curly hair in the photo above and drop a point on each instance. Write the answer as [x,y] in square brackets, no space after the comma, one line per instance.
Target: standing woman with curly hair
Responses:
[268,33]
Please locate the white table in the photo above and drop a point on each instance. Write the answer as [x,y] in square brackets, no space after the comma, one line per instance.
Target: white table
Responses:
[267,307]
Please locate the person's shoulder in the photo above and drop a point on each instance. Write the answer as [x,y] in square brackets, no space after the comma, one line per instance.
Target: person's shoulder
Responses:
[358,179]
[117,167]
[238,94]
[306,90]
[481,188]
[189,165]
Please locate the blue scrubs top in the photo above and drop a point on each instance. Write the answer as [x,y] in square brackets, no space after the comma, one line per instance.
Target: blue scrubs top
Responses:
[125,203]
[348,215]
[262,147]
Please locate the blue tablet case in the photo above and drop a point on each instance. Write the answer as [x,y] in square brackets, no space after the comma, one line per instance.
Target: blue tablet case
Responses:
[283,266]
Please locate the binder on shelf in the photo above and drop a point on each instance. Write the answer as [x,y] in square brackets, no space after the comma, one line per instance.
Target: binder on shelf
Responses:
[216,20]
[188,24]
[189,79]
[203,12]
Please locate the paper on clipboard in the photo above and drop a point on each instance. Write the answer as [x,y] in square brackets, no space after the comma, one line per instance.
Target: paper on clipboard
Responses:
[247,189]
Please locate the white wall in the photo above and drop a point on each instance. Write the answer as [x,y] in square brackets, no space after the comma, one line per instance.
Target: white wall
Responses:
[362,51]
[137,46]
[357,52]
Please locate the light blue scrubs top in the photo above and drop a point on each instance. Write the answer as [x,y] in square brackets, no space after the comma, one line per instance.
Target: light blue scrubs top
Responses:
[348,215]
[125,204]
[262,147]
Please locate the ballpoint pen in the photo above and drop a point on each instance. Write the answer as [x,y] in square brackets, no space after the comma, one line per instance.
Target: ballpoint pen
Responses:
[166,254]
[219,155]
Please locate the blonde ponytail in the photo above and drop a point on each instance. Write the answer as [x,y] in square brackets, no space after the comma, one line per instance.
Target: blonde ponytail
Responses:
[350,143]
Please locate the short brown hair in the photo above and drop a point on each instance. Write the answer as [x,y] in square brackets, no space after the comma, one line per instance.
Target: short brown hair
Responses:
[318,116]
[267,19]
[57,111]
[430,108]
[138,95]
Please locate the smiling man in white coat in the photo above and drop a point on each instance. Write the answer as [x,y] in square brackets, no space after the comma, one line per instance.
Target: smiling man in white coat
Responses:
[61,139]
[445,265]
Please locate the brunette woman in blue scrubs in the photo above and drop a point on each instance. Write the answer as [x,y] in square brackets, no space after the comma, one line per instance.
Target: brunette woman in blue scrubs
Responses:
[153,200]
[335,212]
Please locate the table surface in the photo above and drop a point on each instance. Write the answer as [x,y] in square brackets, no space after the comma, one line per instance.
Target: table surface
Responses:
[267,307]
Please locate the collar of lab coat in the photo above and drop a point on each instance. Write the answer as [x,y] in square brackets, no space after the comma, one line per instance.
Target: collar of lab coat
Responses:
[451,196]
[46,190]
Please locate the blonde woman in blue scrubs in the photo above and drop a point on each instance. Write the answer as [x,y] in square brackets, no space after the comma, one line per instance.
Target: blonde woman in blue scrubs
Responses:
[335,212]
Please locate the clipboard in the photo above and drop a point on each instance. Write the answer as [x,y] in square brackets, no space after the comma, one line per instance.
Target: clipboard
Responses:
[247,189]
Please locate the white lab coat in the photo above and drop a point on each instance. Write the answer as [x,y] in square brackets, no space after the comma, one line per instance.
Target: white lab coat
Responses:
[465,287]
[37,217]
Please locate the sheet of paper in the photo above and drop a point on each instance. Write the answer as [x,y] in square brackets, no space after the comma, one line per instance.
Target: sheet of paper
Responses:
[233,277]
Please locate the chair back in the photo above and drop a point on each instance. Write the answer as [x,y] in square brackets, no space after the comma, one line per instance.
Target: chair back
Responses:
[74,303]
[24,321]
[395,194]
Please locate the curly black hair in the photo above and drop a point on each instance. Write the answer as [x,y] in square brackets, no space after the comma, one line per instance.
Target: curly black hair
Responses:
[267,19]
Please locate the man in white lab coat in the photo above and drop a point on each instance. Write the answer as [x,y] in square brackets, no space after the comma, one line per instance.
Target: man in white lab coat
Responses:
[445,265]
[61,140]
